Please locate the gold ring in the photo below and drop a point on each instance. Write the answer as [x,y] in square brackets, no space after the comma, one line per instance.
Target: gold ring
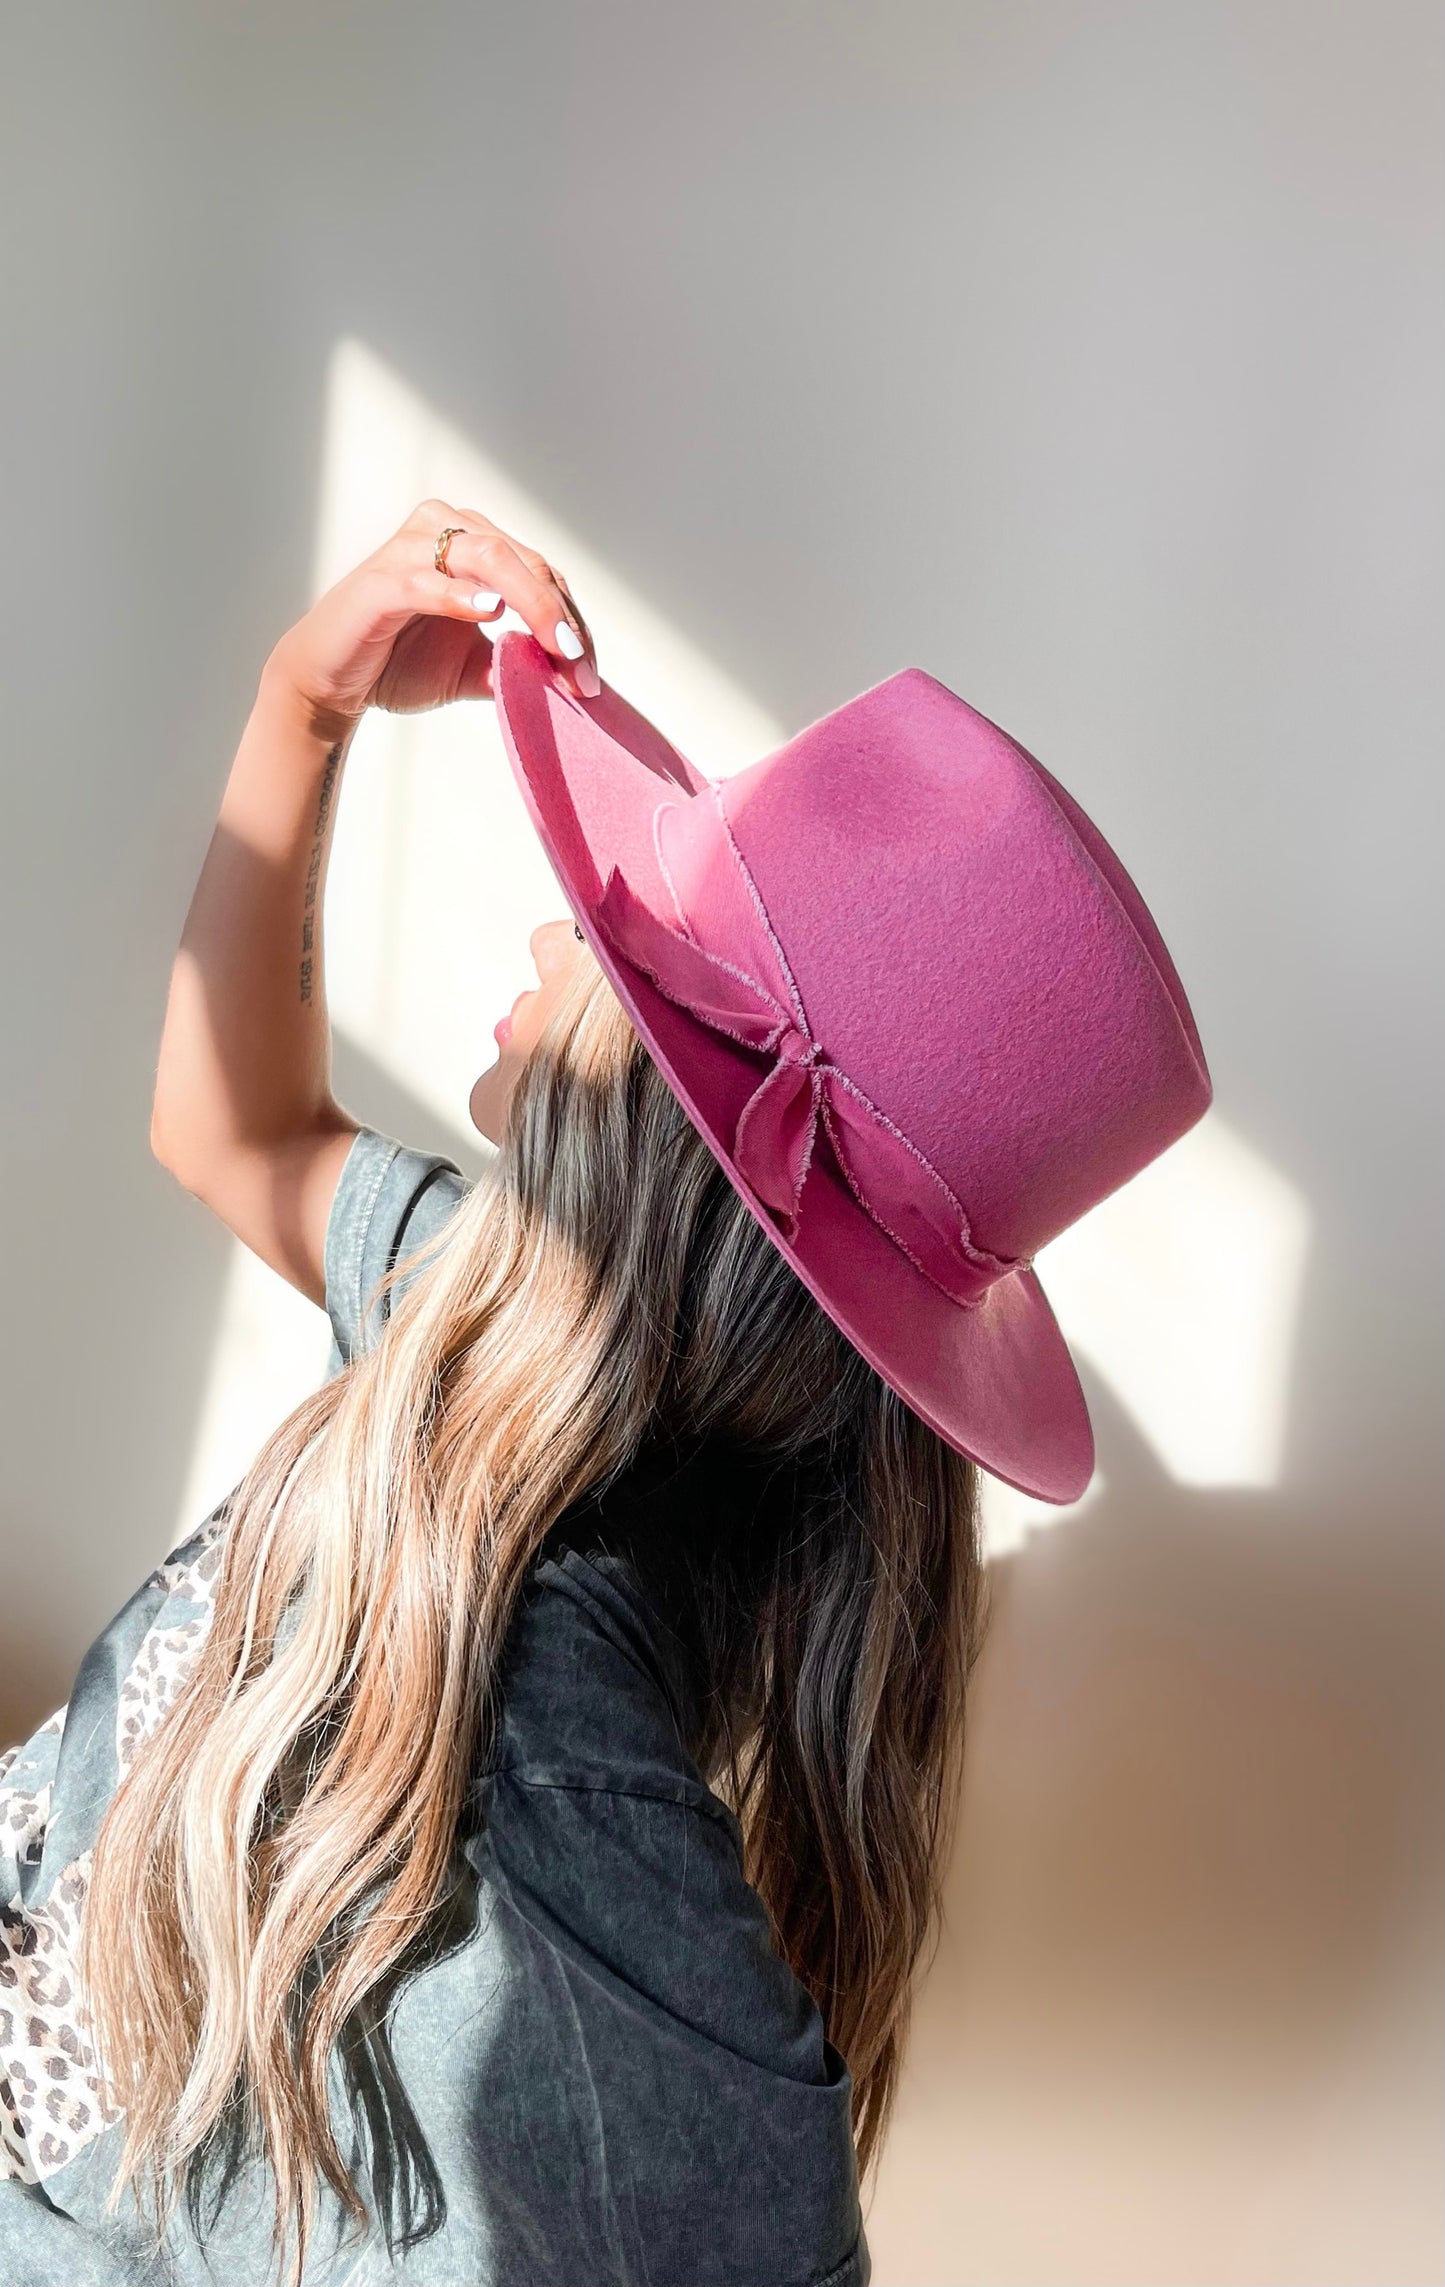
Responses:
[444,541]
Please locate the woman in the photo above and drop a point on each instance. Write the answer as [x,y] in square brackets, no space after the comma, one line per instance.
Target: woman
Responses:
[499,1845]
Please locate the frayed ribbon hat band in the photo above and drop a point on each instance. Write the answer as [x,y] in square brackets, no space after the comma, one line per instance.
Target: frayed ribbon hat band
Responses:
[804,1091]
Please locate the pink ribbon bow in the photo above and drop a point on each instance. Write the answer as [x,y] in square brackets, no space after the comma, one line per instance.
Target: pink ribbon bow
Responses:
[803,1090]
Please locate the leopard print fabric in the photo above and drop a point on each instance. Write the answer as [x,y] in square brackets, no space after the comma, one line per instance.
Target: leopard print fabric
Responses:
[52,2099]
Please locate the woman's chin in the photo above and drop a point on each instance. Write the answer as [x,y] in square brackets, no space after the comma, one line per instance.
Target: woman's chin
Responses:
[487,1104]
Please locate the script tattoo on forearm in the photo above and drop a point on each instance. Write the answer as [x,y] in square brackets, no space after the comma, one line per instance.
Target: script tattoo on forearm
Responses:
[313,869]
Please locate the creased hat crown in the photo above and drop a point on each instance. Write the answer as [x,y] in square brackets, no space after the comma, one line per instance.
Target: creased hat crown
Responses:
[973,963]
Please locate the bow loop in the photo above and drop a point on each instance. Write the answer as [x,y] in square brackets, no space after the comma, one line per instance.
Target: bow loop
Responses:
[777,1127]
[723,995]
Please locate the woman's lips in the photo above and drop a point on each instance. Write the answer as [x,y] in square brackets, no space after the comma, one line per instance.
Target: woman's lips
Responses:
[502,1029]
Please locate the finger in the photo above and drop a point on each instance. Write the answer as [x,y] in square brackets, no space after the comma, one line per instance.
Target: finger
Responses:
[421,588]
[582,628]
[471,536]
[499,570]
[493,564]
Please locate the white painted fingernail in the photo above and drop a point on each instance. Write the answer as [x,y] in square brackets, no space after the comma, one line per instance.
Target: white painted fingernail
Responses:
[569,642]
[485,600]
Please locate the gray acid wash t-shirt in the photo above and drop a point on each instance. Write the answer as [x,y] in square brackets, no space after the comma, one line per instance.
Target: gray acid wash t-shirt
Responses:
[611,2074]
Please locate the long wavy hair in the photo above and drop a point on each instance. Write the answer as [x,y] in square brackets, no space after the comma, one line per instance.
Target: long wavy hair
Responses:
[283,1849]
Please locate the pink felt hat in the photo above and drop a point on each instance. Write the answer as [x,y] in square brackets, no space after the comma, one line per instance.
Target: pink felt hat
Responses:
[910,998]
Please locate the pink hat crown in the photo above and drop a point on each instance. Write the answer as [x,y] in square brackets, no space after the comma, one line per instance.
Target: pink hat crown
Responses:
[952,961]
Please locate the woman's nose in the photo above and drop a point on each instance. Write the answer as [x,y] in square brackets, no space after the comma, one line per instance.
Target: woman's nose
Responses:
[551,944]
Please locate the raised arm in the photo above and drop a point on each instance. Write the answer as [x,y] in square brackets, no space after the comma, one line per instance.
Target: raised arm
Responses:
[244,1115]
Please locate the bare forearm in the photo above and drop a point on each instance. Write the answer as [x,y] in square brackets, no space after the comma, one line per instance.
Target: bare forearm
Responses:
[245,1058]
[244,1115]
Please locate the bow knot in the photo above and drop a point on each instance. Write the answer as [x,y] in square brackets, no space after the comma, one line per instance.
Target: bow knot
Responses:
[799,1049]
[802,1094]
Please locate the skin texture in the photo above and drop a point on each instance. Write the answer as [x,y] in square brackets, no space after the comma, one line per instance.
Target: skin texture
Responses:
[243,1113]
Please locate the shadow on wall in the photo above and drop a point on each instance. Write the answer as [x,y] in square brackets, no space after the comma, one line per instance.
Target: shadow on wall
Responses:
[1199,1824]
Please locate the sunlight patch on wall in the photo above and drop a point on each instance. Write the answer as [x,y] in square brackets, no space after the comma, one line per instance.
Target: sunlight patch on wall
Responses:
[1183,1289]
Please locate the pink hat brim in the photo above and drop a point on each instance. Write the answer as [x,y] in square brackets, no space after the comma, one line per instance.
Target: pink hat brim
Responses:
[996,1381]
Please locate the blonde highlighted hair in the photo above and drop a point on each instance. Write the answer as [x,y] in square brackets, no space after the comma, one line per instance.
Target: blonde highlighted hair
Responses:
[283,1847]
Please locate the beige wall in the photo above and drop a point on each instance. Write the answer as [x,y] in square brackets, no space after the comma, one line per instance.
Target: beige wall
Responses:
[1089,357]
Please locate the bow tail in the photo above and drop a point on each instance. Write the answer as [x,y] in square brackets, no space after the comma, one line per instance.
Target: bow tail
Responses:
[924,1218]
[777,1130]
[773,1142]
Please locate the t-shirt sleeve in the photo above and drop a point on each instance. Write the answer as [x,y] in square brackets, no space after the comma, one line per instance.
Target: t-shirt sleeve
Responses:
[389,1201]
